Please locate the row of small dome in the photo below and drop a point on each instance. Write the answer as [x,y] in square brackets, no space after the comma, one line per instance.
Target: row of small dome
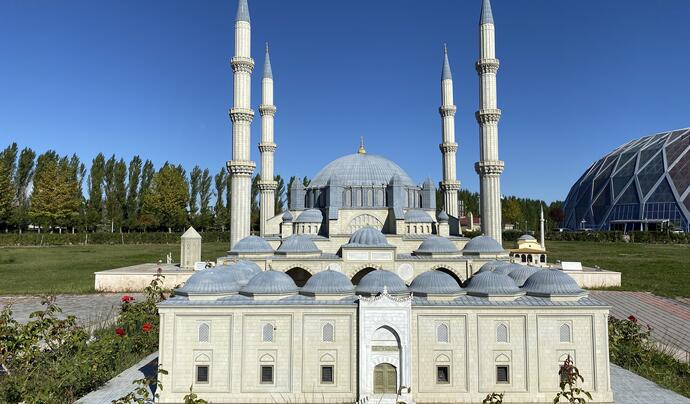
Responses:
[494,279]
[411,216]
[367,237]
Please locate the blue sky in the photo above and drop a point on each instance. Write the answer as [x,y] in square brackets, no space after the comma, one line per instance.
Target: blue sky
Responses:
[577,78]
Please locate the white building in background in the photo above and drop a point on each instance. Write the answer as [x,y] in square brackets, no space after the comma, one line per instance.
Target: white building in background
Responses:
[363,292]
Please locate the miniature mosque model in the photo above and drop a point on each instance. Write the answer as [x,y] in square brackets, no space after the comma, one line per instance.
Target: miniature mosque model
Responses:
[362,292]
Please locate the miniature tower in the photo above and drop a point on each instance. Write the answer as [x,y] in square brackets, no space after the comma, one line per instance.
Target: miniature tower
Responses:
[190,249]
[267,184]
[241,167]
[489,167]
[450,185]
[541,228]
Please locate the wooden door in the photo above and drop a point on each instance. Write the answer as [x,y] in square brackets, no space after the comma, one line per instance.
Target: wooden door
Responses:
[385,379]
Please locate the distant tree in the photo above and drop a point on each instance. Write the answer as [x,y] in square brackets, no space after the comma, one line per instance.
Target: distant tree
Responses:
[145,220]
[205,193]
[556,213]
[23,177]
[194,186]
[228,199]
[115,192]
[470,200]
[288,191]
[167,198]
[279,195]
[53,202]
[8,158]
[95,208]
[132,204]
[511,210]
[76,174]
[220,212]
[6,193]
[254,212]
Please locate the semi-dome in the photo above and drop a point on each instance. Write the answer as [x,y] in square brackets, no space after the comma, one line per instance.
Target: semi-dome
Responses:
[270,283]
[442,216]
[492,265]
[527,237]
[212,281]
[437,245]
[375,281]
[297,243]
[360,169]
[435,283]
[417,216]
[368,237]
[551,282]
[252,245]
[287,216]
[483,245]
[521,274]
[491,284]
[328,282]
[310,216]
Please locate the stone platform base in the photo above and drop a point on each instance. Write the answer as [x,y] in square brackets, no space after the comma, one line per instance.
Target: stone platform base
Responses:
[137,277]
[593,278]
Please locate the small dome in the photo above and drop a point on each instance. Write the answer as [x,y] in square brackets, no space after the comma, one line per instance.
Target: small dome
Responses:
[368,237]
[483,245]
[527,237]
[521,274]
[212,281]
[270,283]
[507,269]
[417,216]
[491,284]
[374,282]
[442,216]
[492,265]
[435,283]
[310,216]
[287,216]
[328,282]
[551,282]
[242,271]
[251,244]
[437,245]
[298,243]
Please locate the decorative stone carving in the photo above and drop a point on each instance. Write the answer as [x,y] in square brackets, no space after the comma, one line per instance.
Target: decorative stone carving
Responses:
[364,220]
[485,66]
[242,64]
[488,115]
[489,167]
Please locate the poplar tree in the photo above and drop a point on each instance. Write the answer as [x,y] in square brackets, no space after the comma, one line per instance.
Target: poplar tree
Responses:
[5,195]
[23,177]
[94,208]
[279,195]
[76,173]
[115,192]
[228,200]
[144,219]
[219,209]
[132,211]
[53,201]
[254,212]
[194,186]
[205,199]
[167,198]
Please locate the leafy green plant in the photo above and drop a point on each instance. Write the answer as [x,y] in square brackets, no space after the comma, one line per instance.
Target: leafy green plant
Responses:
[570,376]
[192,398]
[493,398]
[143,394]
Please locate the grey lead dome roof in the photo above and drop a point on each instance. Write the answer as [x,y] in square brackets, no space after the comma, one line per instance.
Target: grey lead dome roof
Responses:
[442,216]
[252,244]
[374,282]
[328,282]
[310,216]
[527,237]
[212,281]
[298,243]
[360,169]
[417,216]
[270,283]
[368,237]
[493,265]
[520,275]
[435,283]
[491,284]
[551,282]
[437,245]
[483,245]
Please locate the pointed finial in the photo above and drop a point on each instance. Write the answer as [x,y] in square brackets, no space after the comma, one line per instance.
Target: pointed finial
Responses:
[361,146]
[445,72]
[268,72]
[242,11]
[487,16]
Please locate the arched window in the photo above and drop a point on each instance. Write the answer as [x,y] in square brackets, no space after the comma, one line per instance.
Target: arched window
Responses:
[502,333]
[267,332]
[565,333]
[542,258]
[327,333]
[203,334]
[442,333]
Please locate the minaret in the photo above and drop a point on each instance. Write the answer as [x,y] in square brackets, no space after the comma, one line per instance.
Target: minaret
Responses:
[489,166]
[241,167]
[450,185]
[267,184]
[541,227]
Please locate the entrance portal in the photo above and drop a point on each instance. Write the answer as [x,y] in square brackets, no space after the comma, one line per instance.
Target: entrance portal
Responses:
[385,379]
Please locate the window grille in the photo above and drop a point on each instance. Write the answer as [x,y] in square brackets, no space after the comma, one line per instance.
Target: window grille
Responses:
[502,333]
[565,333]
[442,333]
[327,333]
[203,332]
[267,332]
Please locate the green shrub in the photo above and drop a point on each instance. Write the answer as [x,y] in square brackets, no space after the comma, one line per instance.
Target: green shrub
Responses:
[55,239]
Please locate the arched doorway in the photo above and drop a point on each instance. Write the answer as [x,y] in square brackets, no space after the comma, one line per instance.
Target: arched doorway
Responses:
[385,379]
[299,275]
[451,273]
[359,275]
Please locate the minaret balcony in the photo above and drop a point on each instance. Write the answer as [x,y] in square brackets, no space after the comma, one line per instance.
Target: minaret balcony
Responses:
[488,115]
[448,147]
[241,167]
[489,168]
[242,64]
[447,110]
[269,110]
[267,147]
[485,66]
[241,115]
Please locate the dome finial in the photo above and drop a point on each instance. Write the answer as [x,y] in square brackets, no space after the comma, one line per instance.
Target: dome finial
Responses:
[361,150]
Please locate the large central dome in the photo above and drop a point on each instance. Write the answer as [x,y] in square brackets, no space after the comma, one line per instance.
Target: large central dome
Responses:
[360,169]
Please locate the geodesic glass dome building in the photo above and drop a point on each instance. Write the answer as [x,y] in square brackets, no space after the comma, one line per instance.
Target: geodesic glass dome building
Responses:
[642,185]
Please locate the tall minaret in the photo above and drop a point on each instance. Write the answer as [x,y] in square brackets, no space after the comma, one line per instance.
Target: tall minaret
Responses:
[489,166]
[541,227]
[450,185]
[241,167]
[267,147]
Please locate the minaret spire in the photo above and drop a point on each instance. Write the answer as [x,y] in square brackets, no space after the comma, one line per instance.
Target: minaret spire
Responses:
[489,166]
[450,185]
[241,167]
[267,147]
[541,227]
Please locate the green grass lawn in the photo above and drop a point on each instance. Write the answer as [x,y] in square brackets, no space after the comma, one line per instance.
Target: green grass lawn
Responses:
[663,269]
[69,269]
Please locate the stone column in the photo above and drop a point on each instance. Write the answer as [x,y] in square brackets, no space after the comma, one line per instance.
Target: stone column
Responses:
[267,148]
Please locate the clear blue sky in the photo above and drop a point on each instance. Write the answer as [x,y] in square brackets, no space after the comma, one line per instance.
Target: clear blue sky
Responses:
[577,78]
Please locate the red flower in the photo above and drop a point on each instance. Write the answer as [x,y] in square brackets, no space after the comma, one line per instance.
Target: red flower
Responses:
[127,299]
[632,318]
[147,327]
[120,331]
